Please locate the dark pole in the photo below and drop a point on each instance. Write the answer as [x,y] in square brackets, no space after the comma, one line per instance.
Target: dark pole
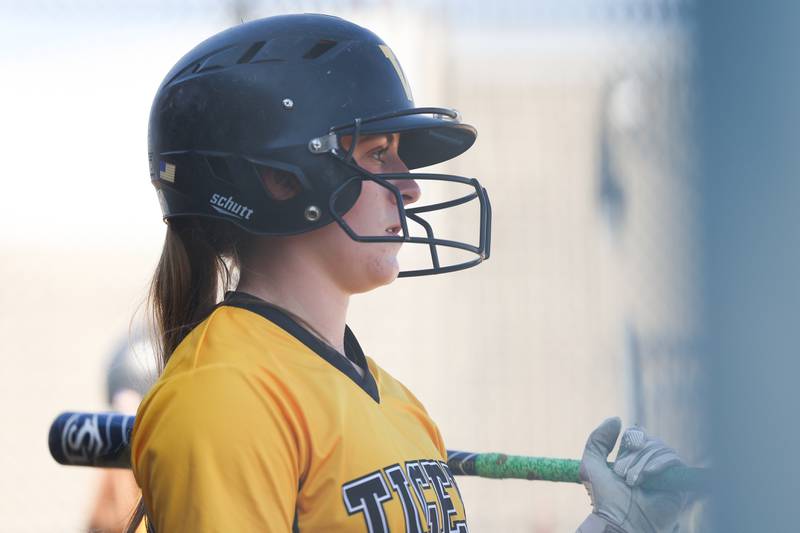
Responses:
[748,133]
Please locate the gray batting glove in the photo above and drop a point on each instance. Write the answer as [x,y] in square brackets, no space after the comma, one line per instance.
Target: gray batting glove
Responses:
[620,504]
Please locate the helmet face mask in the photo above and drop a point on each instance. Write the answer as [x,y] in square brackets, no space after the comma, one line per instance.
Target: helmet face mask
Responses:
[472,192]
[281,93]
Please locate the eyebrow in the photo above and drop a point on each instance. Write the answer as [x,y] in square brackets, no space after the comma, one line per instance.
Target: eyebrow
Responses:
[377,138]
[383,137]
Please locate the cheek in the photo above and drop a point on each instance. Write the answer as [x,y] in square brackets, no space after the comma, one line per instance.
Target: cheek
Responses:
[372,213]
[362,266]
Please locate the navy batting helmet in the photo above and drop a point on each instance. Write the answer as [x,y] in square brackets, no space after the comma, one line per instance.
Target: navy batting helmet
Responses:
[280,93]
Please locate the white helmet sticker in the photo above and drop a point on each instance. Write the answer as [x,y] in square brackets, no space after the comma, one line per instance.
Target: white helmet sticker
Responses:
[393,59]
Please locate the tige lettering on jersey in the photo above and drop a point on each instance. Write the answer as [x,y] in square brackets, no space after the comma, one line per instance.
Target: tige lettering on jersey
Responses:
[425,489]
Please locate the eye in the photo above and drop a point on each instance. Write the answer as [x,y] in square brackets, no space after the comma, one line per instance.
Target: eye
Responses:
[378,153]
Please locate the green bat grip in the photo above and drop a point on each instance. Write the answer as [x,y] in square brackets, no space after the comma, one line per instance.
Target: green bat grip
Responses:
[502,466]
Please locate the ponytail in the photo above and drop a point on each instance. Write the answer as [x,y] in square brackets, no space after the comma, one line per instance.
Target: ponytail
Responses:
[196,266]
[199,261]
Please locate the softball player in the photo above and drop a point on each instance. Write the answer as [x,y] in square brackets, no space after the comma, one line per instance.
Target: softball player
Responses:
[280,152]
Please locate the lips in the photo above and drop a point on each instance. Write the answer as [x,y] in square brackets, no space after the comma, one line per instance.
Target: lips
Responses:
[393,230]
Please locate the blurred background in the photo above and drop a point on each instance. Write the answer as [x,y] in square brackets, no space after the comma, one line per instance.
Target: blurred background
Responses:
[588,307]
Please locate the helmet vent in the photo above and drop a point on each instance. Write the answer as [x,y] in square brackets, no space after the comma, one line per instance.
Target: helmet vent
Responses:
[219,168]
[319,48]
[251,52]
[279,184]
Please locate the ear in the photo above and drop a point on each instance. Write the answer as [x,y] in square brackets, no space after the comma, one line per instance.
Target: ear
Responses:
[280,185]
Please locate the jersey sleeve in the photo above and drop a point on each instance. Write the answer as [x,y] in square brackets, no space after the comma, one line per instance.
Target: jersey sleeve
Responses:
[217,450]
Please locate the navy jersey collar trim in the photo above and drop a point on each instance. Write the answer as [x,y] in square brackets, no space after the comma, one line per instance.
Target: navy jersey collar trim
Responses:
[352,349]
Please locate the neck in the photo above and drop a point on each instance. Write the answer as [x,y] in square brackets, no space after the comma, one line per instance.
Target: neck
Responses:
[300,287]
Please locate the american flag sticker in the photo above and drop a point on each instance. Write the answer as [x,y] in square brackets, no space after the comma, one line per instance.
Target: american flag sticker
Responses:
[166,171]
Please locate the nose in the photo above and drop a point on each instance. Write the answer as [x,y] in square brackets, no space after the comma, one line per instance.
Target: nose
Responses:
[409,190]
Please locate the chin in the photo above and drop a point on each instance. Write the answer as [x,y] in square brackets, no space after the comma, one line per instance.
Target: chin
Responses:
[362,267]
[384,271]
[392,272]
[380,271]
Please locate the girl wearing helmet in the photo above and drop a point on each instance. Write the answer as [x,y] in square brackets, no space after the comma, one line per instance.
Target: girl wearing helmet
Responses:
[280,150]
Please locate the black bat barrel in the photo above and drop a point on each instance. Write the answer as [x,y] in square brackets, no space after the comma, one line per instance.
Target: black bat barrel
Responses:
[92,439]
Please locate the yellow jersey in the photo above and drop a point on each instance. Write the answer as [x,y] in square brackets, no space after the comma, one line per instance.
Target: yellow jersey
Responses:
[256,425]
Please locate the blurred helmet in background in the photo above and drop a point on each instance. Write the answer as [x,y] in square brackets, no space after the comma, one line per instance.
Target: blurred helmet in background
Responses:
[132,368]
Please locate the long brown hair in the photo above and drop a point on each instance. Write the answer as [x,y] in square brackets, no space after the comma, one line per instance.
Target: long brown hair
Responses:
[200,260]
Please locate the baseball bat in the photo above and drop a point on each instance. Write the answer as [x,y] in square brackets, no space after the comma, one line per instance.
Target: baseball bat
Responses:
[103,440]
[502,466]
[92,439]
